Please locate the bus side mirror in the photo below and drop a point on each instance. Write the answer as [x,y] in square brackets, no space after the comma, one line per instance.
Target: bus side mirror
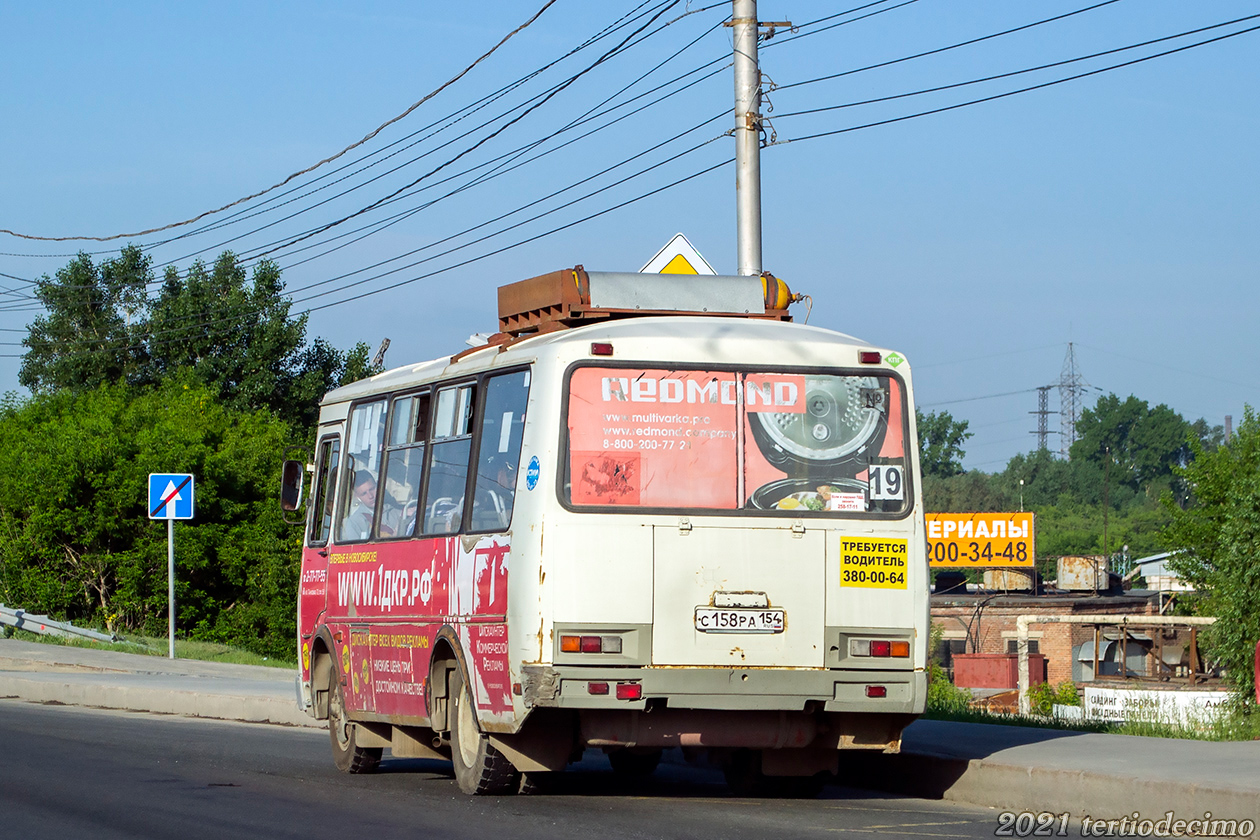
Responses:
[291,481]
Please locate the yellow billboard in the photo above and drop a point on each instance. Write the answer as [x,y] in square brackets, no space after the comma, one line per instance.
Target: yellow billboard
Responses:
[980,540]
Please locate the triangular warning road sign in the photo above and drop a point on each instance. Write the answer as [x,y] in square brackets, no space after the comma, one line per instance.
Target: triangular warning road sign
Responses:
[678,257]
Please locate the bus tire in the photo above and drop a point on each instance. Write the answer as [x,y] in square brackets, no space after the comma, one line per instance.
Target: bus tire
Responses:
[347,755]
[480,769]
[634,764]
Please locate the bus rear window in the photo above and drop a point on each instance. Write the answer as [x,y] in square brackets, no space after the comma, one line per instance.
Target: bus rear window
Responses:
[733,440]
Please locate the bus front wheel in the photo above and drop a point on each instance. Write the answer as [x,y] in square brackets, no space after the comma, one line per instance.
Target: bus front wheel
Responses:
[480,769]
[347,755]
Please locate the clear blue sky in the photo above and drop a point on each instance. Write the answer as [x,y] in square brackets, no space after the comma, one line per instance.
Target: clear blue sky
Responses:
[1117,211]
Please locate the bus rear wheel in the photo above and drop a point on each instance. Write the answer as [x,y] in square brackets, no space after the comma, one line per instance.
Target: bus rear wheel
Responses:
[480,769]
[347,755]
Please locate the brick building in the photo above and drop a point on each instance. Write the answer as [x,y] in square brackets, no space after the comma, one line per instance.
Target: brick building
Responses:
[984,622]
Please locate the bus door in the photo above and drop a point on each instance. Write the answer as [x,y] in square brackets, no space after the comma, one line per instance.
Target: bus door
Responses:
[313,592]
[354,590]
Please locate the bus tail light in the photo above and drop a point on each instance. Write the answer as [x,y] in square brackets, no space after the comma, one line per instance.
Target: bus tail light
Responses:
[876,691]
[629,691]
[883,648]
[590,644]
[869,357]
[597,688]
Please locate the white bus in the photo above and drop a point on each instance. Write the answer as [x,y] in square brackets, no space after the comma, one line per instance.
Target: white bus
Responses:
[651,513]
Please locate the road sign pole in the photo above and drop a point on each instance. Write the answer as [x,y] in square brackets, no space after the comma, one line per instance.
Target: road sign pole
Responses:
[170,498]
[170,581]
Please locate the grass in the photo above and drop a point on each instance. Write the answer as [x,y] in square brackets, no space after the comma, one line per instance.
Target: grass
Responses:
[1003,719]
[158,646]
[1234,725]
[1240,722]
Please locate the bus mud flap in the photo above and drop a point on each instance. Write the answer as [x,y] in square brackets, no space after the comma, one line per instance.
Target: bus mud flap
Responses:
[544,743]
[698,728]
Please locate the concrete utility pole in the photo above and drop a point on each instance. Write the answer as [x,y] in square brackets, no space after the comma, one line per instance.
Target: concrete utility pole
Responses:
[747,137]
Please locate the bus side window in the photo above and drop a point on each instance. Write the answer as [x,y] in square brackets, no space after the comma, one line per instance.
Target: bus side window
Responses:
[448,460]
[364,437]
[325,480]
[499,451]
[404,464]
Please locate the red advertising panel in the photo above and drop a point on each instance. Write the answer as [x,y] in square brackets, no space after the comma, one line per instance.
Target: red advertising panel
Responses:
[647,437]
[653,438]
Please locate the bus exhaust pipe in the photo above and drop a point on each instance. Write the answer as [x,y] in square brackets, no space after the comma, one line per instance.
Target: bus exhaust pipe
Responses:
[698,728]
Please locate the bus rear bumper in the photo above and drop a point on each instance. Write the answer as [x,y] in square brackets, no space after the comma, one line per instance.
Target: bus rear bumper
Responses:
[747,689]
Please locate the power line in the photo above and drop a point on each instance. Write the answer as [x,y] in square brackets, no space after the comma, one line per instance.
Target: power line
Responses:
[455,117]
[974,399]
[450,120]
[469,261]
[593,39]
[1005,94]
[355,145]
[602,212]
[1016,72]
[798,36]
[958,45]
[544,100]
[529,107]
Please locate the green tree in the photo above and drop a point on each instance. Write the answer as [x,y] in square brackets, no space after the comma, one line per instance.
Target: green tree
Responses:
[1143,444]
[90,332]
[236,334]
[1218,540]
[77,539]
[941,440]
[233,330]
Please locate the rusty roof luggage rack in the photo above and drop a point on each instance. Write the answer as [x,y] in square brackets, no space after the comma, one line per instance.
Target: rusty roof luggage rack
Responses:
[573,297]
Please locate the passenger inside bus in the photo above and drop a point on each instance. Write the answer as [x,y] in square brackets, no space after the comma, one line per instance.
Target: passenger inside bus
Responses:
[496,484]
[358,522]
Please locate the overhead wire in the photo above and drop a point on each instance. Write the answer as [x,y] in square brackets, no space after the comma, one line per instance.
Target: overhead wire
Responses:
[289,240]
[510,161]
[1005,94]
[442,124]
[608,169]
[529,110]
[711,168]
[249,309]
[593,39]
[455,116]
[380,225]
[1024,71]
[477,258]
[546,5]
[796,37]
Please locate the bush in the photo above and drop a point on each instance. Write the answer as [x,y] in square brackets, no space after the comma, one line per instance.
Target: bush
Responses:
[1043,697]
[943,697]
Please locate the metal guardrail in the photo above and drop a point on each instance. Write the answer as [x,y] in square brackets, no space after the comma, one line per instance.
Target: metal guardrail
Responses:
[22,620]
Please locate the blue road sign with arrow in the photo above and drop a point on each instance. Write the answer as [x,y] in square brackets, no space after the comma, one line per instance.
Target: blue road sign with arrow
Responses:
[170,496]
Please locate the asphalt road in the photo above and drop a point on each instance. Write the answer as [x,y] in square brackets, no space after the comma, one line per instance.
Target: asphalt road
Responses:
[82,773]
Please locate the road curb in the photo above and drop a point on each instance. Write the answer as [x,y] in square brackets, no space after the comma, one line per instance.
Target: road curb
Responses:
[1024,788]
[64,689]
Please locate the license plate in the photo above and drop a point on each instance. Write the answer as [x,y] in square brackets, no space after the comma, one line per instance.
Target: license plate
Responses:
[710,620]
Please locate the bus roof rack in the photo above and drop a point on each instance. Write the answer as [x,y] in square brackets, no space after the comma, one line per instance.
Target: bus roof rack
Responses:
[574,296]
